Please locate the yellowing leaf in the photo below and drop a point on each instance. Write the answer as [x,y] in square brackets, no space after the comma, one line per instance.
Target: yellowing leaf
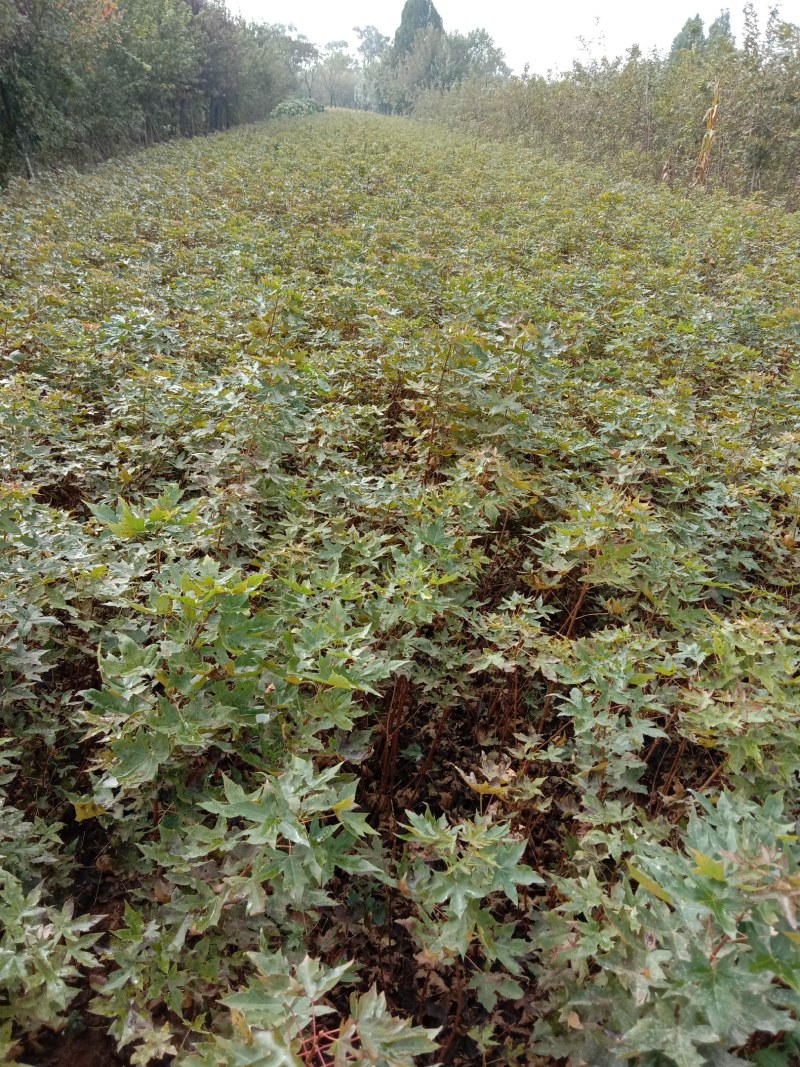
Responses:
[649,883]
[131,525]
[488,789]
[574,1021]
[708,867]
[89,810]
[240,1027]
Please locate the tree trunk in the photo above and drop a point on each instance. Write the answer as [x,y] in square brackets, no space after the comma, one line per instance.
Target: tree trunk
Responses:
[12,128]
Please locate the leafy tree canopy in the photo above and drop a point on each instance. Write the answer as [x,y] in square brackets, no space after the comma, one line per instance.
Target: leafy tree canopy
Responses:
[372,43]
[82,79]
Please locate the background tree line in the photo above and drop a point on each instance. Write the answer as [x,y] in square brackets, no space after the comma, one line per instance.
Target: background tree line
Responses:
[647,113]
[390,75]
[80,79]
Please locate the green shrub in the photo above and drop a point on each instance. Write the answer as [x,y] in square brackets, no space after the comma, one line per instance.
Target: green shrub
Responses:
[289,109]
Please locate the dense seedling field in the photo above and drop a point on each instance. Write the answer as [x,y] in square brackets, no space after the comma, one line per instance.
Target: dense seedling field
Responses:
[399,629]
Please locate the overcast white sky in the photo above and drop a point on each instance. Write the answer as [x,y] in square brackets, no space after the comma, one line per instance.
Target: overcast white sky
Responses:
[545,34]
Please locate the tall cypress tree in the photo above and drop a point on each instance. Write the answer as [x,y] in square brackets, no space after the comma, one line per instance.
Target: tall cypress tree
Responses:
[417,15]
[719,32]
[691,38]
